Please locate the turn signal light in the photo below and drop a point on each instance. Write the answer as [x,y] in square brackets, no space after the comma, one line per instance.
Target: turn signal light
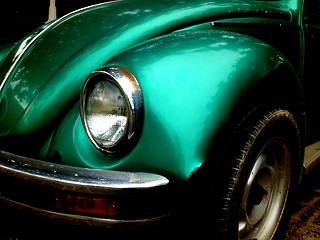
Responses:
[81,204]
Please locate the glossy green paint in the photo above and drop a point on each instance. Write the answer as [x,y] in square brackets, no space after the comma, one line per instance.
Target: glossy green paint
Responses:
[4,50]
[191,81]
[61,54]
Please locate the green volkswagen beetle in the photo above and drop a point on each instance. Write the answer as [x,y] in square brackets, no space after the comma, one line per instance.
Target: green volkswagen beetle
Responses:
[136,114]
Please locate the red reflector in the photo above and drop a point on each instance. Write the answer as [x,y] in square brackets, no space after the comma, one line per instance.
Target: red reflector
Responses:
[80,204]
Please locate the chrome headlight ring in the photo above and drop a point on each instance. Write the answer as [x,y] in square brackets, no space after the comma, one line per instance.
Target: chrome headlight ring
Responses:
[111,106]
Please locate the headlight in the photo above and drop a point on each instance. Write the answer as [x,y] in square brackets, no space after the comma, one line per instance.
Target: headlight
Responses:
[112,109]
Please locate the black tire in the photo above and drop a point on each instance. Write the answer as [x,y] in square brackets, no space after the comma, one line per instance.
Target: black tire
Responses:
[259,176]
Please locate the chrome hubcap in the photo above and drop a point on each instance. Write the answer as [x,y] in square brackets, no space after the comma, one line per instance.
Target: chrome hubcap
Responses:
[266,191]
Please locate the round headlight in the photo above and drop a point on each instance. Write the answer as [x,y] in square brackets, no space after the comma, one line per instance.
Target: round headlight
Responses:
[112,109]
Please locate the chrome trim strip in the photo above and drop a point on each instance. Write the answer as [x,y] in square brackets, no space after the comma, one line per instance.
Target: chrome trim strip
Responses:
[38,188]
[76,179]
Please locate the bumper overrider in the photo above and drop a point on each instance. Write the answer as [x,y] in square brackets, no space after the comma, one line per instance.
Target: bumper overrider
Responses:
[83,196]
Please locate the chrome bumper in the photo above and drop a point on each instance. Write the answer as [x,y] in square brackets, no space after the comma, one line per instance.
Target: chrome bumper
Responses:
[47,190]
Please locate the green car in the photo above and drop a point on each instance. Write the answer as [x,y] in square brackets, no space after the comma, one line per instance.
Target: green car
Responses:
[130,115]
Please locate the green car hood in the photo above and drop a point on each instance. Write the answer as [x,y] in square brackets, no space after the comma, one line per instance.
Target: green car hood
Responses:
[42,75]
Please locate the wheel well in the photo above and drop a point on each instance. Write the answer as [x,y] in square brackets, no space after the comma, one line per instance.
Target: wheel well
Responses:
[278,89]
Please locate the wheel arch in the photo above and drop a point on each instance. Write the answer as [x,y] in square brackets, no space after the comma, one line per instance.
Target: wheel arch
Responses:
[280,88]
[288,96]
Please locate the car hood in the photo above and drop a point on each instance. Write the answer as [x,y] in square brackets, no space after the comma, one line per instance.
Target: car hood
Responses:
[42,75]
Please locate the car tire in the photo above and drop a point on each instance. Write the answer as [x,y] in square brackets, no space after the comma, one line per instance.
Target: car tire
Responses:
[258,177]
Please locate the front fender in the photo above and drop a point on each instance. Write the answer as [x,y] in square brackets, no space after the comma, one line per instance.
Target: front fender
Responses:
[61,54]
[191,82]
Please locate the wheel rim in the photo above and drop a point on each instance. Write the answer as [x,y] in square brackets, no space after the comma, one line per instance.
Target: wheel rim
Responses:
[265,192]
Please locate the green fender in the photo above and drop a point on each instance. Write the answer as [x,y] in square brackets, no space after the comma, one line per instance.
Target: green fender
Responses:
[191,82]
[61,54]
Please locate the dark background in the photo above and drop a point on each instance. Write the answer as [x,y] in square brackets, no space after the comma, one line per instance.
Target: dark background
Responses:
[19,17]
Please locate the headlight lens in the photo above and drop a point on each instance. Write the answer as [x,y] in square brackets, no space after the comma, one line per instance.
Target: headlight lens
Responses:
[106,115]
[112,109]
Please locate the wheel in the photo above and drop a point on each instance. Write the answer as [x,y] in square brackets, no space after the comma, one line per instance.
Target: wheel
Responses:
[260,173]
